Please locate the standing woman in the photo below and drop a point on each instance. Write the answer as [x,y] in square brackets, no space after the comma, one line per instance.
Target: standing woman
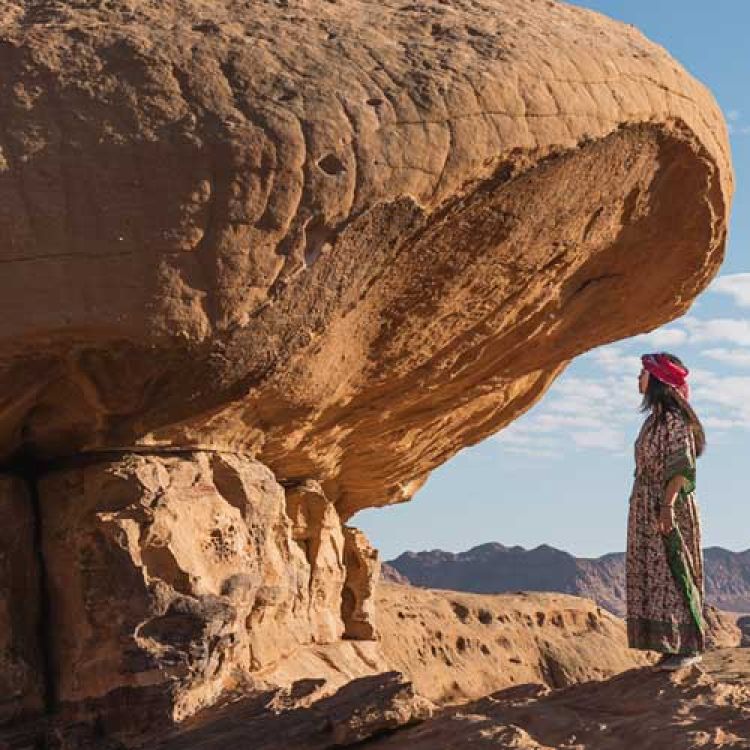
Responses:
[664,555]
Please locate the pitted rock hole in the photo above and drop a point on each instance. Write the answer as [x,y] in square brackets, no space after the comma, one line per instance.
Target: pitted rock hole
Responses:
[331,164]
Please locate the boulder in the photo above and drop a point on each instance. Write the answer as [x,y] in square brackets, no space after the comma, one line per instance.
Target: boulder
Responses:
[358,598]
[722,628]
[346,238]
[171,578]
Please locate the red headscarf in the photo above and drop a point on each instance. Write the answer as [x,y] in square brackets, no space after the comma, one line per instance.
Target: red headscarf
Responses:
[663,369]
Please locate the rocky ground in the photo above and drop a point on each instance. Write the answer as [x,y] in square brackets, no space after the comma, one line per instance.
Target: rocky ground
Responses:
[699,707]
[505,671]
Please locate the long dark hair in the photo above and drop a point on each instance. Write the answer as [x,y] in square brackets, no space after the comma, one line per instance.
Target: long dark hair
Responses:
[660,398]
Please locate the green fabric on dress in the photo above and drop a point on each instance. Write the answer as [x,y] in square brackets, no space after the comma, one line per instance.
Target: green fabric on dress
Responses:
[681,571]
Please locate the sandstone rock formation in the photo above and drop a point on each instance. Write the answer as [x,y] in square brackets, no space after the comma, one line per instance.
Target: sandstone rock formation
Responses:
[363,708]
[177,576]
[722,629]
[695,708]
[389,574]
[455,647]
[449,647]
[347,238]
[362,572]
[688,709]
[265,264]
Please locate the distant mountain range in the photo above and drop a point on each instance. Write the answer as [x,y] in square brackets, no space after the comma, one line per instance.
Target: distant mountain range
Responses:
[495,568]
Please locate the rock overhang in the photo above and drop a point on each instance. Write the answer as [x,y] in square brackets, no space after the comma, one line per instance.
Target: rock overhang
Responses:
[348,239]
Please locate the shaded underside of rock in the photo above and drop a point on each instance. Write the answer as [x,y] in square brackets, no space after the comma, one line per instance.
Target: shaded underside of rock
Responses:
[22,681]
[348,238]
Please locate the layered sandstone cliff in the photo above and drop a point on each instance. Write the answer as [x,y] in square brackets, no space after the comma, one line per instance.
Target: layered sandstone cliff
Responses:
[265,264]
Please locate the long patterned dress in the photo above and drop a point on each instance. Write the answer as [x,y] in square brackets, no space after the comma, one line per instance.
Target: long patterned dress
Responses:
[664,573]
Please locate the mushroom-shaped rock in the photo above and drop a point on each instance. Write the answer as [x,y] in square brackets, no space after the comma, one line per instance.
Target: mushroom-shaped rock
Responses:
[346,238]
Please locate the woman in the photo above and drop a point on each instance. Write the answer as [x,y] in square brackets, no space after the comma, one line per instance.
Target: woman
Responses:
[664,557]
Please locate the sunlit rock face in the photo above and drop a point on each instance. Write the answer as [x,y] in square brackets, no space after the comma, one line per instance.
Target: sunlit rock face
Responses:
[347,238]
[266,264]
[172,579]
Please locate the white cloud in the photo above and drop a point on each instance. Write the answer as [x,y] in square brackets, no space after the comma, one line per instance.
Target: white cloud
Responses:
[663,338]
[736,285]
[613,359]
[580,413]
[734,357]
[733,330]
[699,376]
[721,423]
[731,393]
[528,442]
[733,118]
[604,438]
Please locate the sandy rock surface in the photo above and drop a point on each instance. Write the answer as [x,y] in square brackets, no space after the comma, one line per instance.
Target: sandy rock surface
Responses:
[349,238]
[171,579]
[641,708]
[692,708]
[722,628]
[456,646]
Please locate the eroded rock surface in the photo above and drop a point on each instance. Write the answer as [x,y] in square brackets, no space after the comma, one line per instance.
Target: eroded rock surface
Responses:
[362,573]
[175,577]
[455,646]
[722,630]
[641,708]
[348,238]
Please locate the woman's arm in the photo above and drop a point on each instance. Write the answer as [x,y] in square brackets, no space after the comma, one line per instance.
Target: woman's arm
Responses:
[666,516]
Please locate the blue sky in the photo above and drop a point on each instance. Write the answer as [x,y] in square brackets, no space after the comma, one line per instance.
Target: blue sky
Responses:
[562,474]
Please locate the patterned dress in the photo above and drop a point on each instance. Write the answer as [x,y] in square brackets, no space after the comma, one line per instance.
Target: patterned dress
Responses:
[664,573]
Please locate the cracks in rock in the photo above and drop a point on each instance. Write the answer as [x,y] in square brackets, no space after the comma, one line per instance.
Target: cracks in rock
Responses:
[448,153]
[57,256]
[26,470]
[594,280]
[88,458]
[318,238]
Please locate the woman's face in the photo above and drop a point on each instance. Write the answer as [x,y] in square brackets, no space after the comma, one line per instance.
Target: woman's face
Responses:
[643,381]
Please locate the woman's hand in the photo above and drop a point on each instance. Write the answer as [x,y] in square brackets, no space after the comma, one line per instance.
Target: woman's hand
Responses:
[665,524]
[666,519]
